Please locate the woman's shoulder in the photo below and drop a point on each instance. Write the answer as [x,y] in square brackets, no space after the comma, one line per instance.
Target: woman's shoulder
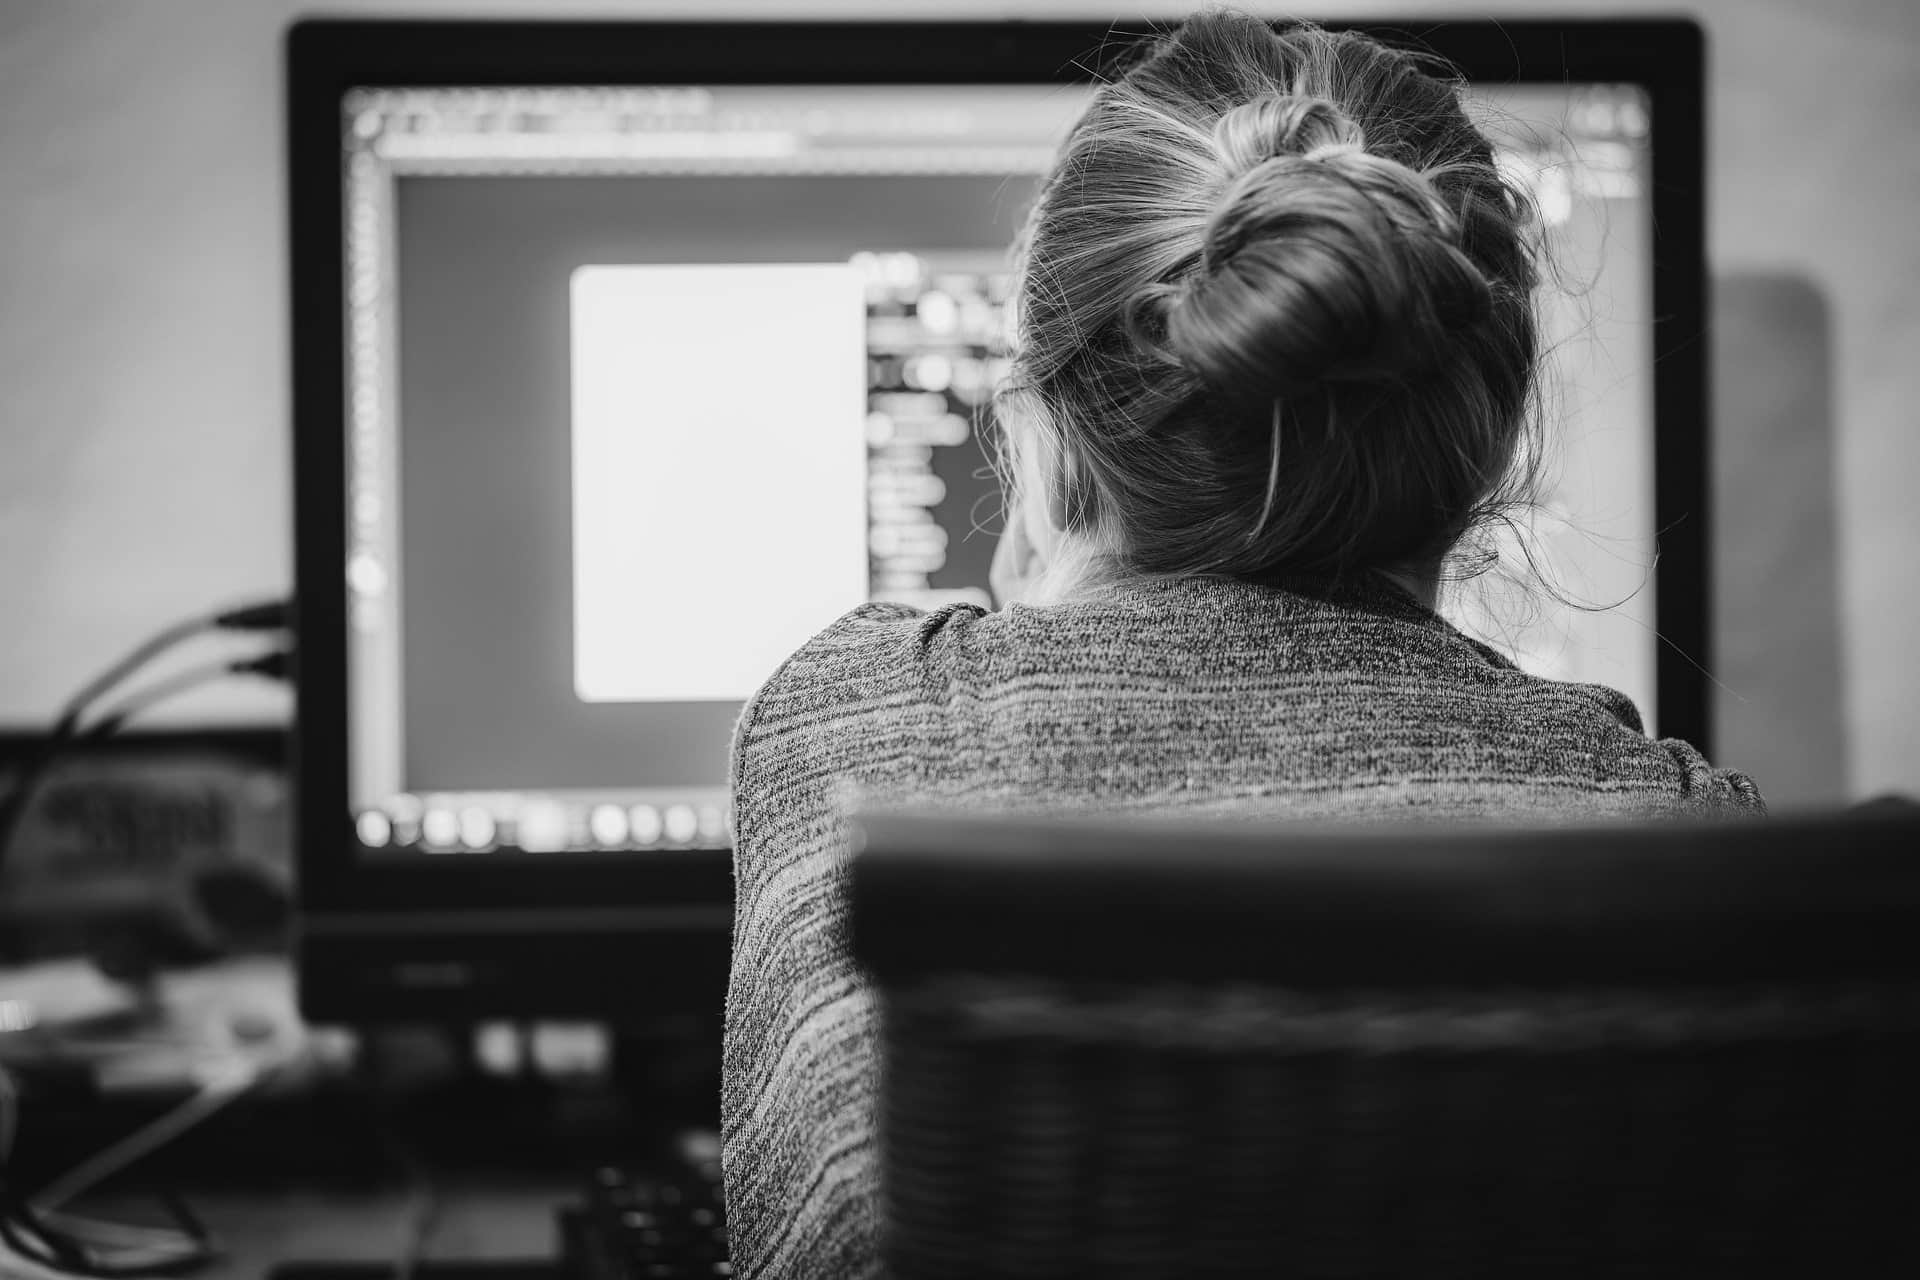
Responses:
[865,651]
[1588,737]
[889,678]
[1591,738]
[876,660]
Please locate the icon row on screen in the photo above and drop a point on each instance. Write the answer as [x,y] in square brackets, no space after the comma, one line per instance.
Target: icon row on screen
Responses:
[533,825]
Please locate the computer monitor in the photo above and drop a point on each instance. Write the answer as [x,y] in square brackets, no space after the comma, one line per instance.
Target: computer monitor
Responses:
[627,356]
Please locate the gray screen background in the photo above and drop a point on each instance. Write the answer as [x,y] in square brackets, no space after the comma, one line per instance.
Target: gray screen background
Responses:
[485,458]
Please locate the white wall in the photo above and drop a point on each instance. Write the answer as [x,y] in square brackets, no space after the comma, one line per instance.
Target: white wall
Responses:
[143,343]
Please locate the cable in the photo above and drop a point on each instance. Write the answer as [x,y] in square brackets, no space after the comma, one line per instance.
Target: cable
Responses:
[273,664]
[9,1119]
[18,1266]
[26,1237]
[214,1095]
[35,1231]
[37,1238]
[423,1214]
[81,1246]
[114,1234]
[112,720]
[267,615]
[141,655]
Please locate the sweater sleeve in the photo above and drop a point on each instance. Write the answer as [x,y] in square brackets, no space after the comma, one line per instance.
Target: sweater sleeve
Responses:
[1727,792]
[797,1085]
[1702,788]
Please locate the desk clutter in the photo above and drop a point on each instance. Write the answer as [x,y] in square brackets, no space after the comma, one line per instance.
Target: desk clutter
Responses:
[639,1227]
[660,1221]
[195,1125]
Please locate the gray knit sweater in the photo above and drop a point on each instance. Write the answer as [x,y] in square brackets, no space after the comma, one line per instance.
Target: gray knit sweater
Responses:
[1202,695]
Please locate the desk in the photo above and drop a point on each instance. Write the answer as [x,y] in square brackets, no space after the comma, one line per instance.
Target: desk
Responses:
[484,1218]
[311,1164]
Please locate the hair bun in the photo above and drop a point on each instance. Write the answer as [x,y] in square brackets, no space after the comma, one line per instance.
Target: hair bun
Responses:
[1284,125]
[1323,263]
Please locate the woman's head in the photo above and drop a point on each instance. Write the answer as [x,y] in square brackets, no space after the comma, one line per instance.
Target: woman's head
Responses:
[1276,311]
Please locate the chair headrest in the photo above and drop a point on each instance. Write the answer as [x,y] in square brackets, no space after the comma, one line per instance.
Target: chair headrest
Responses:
[1815,898]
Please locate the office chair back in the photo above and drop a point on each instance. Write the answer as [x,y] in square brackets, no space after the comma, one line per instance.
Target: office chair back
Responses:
[1148,1050]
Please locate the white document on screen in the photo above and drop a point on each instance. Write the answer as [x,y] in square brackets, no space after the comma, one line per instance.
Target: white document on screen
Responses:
[719,472]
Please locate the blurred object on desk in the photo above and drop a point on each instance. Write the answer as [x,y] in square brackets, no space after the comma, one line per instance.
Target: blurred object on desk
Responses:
[151,852]
[192,1044]
[172,1032]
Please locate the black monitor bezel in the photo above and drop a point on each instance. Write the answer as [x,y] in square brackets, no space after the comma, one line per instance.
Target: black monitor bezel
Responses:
[344,895]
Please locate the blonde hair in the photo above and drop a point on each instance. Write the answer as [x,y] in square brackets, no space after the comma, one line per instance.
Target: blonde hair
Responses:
[1275,314]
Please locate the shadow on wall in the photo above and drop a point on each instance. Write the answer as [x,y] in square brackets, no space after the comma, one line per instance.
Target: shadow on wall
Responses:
[1776,609]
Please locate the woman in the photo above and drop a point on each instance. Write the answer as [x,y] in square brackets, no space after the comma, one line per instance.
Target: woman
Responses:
[1276,350]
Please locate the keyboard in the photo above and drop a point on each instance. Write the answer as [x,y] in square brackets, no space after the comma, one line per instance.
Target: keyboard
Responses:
[648,1225]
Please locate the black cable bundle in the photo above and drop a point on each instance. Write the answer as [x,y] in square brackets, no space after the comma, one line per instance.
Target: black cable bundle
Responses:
[30,1232]
[270,615]
[36,1230]
[53,1241]
[31,1236]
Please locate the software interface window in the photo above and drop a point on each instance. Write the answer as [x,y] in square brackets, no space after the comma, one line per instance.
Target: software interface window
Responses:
[711,404]
[649,385]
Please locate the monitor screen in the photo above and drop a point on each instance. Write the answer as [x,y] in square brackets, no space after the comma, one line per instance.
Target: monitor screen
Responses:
[646,385]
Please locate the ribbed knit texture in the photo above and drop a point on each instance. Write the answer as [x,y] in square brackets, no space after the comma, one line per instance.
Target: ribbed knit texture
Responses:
[1219,698]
